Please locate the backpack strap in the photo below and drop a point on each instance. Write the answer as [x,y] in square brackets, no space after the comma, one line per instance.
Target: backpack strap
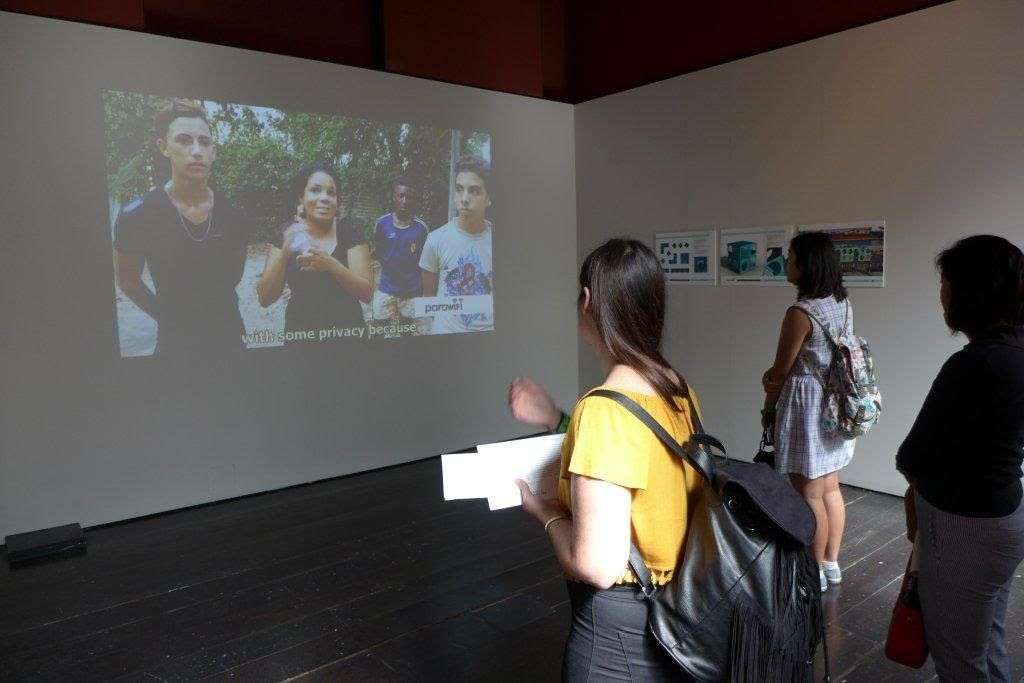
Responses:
[824,328]
[640,571]
[698,456]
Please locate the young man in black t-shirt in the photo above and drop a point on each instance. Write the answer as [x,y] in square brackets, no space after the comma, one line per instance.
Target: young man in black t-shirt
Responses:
[193,242]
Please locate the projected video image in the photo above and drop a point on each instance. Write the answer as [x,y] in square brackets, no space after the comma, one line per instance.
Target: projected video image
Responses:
[237,226]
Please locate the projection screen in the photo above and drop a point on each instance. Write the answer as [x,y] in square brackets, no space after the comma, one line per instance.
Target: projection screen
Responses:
[226,272]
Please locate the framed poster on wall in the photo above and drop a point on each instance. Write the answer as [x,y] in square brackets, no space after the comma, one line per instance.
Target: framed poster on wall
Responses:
[687,257]
[754,256]
[861,248]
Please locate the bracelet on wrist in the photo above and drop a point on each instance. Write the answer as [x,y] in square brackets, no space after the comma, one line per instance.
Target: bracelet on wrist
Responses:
[547,524]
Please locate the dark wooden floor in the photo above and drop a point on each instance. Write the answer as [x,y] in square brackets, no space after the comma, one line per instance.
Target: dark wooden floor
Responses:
[370,577]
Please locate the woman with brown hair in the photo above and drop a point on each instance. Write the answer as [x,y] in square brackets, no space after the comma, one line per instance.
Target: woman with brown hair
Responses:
[617,481]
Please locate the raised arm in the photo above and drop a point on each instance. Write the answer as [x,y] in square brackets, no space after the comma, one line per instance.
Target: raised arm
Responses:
[531,404]
[271,282]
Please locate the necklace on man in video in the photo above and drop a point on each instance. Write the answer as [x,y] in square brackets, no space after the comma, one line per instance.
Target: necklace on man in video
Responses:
[194,236]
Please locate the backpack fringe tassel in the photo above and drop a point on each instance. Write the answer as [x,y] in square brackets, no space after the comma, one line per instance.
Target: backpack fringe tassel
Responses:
[781,651]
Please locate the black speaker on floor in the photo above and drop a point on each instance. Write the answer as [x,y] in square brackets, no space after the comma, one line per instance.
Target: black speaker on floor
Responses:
[45,544]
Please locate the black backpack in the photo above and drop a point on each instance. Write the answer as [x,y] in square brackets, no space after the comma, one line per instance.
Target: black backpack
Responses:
[744,604]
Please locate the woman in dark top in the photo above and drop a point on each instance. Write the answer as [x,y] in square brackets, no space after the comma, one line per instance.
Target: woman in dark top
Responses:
[963,461]
[324,260]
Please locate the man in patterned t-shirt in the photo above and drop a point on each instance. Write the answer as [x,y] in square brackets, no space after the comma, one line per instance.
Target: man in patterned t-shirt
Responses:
[398,242]
[456,259]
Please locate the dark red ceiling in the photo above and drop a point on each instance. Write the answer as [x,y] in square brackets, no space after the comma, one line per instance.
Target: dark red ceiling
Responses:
[567,50]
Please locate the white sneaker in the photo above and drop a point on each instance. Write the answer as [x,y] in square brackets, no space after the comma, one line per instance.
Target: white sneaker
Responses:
[832,572]
[824,581]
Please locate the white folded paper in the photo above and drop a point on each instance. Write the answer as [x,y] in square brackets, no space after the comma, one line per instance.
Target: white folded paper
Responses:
[491,472]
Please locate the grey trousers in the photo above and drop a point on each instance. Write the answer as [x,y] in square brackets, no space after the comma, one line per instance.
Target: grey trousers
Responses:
[966,566]
[609,639]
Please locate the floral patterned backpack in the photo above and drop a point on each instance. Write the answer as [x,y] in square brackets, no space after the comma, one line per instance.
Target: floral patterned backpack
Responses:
[852,403]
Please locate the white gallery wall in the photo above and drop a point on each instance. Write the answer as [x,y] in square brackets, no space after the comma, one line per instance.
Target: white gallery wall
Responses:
[88,437]
[918,120]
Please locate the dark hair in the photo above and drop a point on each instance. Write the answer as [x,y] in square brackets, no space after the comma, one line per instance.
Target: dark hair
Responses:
[818,261]
[177,109]
[627,305]
[985,275]
[404,181]
[297,186]
[301,177]
[474,164]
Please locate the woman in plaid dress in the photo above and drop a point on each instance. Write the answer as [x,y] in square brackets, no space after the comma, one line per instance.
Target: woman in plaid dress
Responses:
[810,456]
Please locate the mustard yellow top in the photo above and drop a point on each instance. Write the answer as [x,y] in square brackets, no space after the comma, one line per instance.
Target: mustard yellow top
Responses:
[605,441]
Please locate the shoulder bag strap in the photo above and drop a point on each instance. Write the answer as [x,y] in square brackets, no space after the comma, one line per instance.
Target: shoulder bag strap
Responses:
[823,326]
[698,456]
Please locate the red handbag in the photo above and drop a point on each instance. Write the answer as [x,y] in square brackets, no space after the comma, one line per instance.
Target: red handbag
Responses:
[906,643]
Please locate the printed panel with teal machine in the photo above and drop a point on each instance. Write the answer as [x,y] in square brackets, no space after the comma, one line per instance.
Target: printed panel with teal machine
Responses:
[741,257]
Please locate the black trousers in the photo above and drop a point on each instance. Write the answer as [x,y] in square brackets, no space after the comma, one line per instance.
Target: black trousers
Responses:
[609,640]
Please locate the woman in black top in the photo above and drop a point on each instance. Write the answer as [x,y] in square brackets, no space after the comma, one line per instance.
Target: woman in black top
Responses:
[963,461]
[324,260]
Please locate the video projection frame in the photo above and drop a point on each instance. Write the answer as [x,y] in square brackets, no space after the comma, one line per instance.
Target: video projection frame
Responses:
[253,156]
